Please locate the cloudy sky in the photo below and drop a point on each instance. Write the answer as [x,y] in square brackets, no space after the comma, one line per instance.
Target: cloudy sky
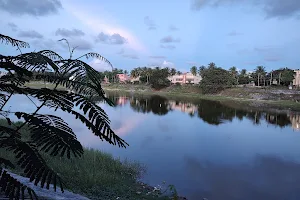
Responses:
[174,33]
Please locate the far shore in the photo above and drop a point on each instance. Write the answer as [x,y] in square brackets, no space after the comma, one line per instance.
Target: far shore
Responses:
[276,99]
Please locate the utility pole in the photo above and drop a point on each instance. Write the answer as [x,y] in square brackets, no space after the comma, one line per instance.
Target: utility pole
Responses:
[271,78]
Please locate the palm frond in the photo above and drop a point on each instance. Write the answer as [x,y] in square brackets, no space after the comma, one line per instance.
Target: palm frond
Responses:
[14,189]
[2,99]
[6,163]
[96,55]
[51,133]
[9,88]
[35,61]
[31,161]
[8,40]
[100,129]
[9,132]
[51,54]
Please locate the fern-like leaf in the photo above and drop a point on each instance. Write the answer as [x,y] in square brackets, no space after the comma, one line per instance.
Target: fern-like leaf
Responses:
[51,133]
[14,189]
[2,99]
[31,161]
[8,131]
[8,40]
[51,54]
[97,56]
[6,163]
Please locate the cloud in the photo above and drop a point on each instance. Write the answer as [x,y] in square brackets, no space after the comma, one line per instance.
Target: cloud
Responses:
[234,33]
[31,7]
[252,63]
[50,44]
[13,26]
[265,49]
[168,64]
[173,28]
[281,8]
[157,57]
[149,23]
[98,22]
[30,34]
[80,44]
[131,56]
[100,65]
[69,33]
[271,8]
[115,39]
[170,46]
[169,39]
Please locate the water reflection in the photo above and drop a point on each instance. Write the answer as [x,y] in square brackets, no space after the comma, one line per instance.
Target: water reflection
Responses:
[269,177]
[211,112]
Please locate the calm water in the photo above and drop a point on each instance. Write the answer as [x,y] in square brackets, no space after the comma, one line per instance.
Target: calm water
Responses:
[204,148]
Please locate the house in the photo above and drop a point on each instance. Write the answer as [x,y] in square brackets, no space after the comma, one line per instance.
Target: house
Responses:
[123,78]
[134,79]
[185,78]
[296,81]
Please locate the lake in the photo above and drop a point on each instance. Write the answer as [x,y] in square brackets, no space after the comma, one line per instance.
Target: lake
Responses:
[206,149]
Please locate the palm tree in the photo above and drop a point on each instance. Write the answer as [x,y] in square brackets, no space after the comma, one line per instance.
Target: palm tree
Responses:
[211,65]
[243,72]
[233,71]
[201,69]
[49,134]
[173,71]
[179,72]
[260,73]
[194,70]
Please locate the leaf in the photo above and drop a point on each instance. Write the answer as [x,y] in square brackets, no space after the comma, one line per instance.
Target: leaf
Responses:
[29,159]
[13,42]
[2,99]
[51,133]
[8,131]
[6,163]
[13,188]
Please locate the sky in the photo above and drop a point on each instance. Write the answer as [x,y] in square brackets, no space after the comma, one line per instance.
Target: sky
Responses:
[168,33]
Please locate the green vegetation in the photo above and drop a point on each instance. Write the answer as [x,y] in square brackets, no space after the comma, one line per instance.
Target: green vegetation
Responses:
[215,79]
[95,174]
[49,134]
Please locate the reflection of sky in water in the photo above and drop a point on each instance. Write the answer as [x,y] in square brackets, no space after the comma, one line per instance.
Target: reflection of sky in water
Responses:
[234,160]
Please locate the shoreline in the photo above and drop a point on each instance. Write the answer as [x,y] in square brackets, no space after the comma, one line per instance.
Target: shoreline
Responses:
[234,102]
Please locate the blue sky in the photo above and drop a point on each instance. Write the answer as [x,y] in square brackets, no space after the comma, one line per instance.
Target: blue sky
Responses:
[173,33]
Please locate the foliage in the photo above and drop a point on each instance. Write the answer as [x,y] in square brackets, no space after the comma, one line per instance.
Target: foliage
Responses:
[49,134]
[194,70]
[159,78]
[215,79]
[259,75]
[287,76]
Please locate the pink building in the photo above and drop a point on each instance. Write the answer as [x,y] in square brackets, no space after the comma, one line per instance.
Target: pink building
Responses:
[123,78]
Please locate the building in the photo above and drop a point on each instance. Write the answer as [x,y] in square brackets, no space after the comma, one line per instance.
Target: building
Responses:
[296,81]
[123,78]
[134,79]
[185,78]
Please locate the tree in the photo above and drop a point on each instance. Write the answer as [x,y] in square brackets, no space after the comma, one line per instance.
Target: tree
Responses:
[243,78]
[215,80]
[201,69]
[172,71]
[178,72]
[159,78]
[233,71]
[212,65]
[259,75]
[194,70]
[287,76]
[49,133]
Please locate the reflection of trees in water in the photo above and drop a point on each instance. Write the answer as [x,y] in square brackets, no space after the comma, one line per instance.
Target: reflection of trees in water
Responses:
[211,112]
[155,104]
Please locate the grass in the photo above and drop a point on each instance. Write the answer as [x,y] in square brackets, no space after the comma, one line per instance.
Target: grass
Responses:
[96,174]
